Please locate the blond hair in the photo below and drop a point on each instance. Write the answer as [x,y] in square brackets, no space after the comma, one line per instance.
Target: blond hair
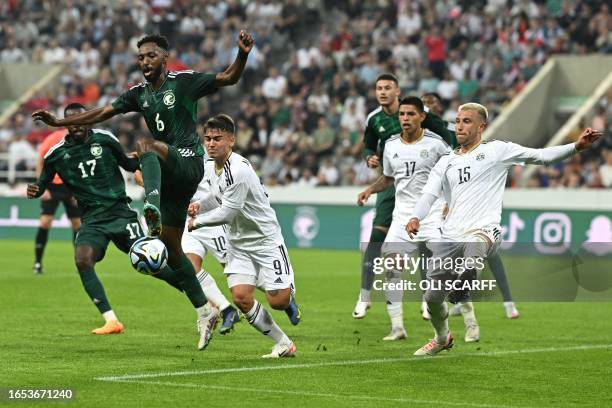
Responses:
[481,110]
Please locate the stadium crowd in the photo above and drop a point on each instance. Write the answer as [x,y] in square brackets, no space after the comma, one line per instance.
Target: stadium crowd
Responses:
[308,86]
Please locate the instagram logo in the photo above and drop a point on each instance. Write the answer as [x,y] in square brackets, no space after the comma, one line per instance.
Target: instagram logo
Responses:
[552,233]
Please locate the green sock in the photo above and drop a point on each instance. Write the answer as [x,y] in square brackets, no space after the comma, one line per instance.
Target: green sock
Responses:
[186,275]
[377,237]
[499,272]
[170,277]
[94,289]
[151,177]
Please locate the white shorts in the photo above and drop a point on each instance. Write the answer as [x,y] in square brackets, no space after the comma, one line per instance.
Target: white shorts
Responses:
[480,243]
[206,240]
[267,268]
[398,240]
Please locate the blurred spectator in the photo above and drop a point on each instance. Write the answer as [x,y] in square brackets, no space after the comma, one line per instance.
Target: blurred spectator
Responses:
[308,82]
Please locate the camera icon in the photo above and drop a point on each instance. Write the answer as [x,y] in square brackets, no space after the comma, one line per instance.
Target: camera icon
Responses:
[552,233]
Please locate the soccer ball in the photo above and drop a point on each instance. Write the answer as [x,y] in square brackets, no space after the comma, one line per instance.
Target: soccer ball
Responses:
[148,255]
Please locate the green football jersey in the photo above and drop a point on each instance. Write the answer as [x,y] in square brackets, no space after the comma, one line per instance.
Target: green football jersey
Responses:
[90,170]
[171,111]
[381,126]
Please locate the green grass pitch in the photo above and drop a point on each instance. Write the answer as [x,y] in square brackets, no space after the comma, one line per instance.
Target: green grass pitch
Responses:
[555,354]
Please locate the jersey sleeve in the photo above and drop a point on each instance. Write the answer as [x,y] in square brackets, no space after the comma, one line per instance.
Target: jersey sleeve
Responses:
[512,153]
[127,101]
[437,125]
[198,84]
[370,141]
[130,164]
[387,170]
[235,194]
[46,175]
[434,181]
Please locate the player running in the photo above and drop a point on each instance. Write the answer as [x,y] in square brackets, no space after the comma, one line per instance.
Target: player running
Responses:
[408,158]
[256,252]
[49,201]
[171,162]
[473,178]
[88,161]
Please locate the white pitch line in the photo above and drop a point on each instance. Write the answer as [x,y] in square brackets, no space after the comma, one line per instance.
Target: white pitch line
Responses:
[317,394]
[352,362]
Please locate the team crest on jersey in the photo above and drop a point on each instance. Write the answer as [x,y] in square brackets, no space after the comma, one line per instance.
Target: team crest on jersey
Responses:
[96,149]
[480,156]
[424,154]
[67,156]
[168,98]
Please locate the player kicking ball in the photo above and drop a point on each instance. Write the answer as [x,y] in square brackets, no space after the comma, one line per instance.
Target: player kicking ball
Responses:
[473,177]
[171,162]
[256,252]
[88,162]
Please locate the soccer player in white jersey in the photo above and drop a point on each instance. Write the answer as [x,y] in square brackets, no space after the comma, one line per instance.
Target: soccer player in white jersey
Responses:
[256,252]
[209,240]
[473,179]
[408,158]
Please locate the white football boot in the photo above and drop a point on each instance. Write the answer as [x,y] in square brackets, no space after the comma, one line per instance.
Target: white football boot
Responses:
[361,309]
[511,310]
[282,350]
[397,333]
[206,325]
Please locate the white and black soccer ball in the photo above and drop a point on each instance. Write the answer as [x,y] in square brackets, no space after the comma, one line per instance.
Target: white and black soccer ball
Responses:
[148,255]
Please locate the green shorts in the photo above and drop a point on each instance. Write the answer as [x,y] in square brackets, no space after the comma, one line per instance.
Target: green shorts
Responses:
[180,179]
[385,203]
[120,225]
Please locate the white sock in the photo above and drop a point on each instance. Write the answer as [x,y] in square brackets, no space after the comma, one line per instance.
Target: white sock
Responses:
[365,295]
[259,318]
[396,314]
[394,299]
[439,320]
[467,311]
[211,290]
[110,315]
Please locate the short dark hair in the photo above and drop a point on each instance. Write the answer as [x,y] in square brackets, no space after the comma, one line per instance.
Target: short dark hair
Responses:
[74,106]
[221,122]
[160,40]
[414,101]
[434,95]
[387,77]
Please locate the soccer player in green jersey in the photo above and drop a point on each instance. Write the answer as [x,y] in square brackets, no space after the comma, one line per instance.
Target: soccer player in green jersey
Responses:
[88,162]
[171,162]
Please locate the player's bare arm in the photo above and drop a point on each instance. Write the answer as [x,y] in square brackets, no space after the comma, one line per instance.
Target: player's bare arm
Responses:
[233,73]
[85,118]
[379,185]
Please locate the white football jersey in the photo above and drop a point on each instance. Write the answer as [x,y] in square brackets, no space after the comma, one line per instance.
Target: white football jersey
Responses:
[410,165]
[474,182]
[238,187]
[203,194]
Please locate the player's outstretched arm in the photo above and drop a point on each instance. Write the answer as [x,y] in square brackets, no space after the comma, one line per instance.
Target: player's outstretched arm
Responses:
[233,73]
[85,118]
